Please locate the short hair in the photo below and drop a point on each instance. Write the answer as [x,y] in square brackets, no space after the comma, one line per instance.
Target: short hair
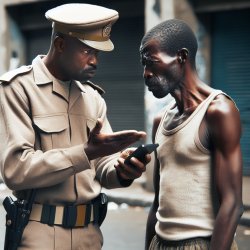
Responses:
[173,35]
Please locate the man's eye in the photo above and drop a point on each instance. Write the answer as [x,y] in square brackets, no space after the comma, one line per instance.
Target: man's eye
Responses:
[148,62]
[143,62]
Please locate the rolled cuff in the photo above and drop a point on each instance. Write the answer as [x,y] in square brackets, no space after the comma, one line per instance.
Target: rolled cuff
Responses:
[78,158]
[114,181]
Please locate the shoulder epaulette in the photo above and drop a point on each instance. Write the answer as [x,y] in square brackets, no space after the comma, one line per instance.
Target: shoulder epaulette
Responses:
[8,76]
[96,87]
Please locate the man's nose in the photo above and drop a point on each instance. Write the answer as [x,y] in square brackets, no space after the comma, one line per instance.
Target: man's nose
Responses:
[147,74]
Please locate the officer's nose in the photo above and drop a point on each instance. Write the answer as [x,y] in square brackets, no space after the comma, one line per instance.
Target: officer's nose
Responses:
[93,61]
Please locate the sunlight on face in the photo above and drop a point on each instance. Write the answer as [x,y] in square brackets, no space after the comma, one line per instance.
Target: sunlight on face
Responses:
[166,59]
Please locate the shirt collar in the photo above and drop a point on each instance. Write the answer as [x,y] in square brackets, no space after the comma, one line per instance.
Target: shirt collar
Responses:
[41,73]
[43,76]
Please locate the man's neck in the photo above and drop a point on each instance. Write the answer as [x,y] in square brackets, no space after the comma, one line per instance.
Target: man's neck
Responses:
[191,94]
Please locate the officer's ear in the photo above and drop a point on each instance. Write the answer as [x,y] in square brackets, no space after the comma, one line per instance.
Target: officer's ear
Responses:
[182,55]
[59,43]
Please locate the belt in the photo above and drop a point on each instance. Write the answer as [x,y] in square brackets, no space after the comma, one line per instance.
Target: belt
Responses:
[66,216]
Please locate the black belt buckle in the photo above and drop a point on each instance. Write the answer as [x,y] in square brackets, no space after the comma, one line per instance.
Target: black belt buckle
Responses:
[69,216]
[104,198]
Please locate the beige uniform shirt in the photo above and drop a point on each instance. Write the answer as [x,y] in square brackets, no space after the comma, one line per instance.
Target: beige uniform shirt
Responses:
[44,129]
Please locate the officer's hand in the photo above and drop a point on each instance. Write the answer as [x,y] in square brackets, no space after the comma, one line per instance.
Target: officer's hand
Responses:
[134,169]
[100,145]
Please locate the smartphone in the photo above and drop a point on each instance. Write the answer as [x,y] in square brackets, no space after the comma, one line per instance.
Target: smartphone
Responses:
[141,151]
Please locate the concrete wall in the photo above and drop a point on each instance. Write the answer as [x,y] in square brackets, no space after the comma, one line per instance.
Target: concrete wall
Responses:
[12,43]
[3,38]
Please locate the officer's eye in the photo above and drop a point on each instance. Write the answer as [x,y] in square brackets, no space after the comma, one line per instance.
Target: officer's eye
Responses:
[90,52]
[86,51]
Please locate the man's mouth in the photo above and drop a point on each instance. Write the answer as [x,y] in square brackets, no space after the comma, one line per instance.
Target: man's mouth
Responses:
[151,88]
[151,85]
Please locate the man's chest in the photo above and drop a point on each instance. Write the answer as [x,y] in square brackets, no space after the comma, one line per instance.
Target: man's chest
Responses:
[173,119]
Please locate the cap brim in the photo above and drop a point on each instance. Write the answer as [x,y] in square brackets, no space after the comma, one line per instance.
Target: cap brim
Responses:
[99,45]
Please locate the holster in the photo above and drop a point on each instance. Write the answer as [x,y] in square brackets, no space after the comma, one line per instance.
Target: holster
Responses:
[17,217]
[101,207]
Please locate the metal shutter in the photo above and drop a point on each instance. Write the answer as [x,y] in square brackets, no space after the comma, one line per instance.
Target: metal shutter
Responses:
[230,66]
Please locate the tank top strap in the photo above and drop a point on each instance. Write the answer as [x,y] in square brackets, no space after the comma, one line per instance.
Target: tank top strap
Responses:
[204,105]
[210,98]
[169,105]
[200,115]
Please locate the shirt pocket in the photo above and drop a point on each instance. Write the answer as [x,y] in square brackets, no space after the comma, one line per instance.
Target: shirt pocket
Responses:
[52,131]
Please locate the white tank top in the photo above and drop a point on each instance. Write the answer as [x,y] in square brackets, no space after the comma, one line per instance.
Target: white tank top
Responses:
[185,196]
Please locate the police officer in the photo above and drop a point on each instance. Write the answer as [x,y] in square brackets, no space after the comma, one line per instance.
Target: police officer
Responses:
[57,138]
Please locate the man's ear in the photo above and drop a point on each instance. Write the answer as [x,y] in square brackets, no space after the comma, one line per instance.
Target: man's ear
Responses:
[182,55]
[59,43]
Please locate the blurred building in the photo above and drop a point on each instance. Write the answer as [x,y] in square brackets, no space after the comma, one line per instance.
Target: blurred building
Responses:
[221,26]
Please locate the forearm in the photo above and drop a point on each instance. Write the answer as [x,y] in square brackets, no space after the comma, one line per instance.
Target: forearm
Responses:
[150,228]
[225,226]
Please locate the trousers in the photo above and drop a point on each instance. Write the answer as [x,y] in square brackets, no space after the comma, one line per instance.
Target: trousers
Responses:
[191,244]
[39,236]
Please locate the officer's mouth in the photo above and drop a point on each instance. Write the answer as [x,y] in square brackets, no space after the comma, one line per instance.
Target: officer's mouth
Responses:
[90,72]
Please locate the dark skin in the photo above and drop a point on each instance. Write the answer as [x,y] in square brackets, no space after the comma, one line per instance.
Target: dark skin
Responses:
[67,59]
[219,132]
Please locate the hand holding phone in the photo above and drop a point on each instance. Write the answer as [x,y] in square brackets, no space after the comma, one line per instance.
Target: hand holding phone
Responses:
[141,152]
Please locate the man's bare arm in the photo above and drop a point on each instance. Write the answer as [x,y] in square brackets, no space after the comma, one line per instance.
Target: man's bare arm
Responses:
[151,221]
[225,131]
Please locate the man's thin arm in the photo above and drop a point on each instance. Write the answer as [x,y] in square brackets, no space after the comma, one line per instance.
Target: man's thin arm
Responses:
[151,221]
[225,130]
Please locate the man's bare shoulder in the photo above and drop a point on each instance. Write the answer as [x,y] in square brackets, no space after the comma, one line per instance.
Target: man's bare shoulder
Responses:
[223,119]
[156,122]
[158,117]
[221,107]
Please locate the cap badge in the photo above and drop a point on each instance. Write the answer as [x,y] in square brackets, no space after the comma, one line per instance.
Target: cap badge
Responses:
[106,30]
